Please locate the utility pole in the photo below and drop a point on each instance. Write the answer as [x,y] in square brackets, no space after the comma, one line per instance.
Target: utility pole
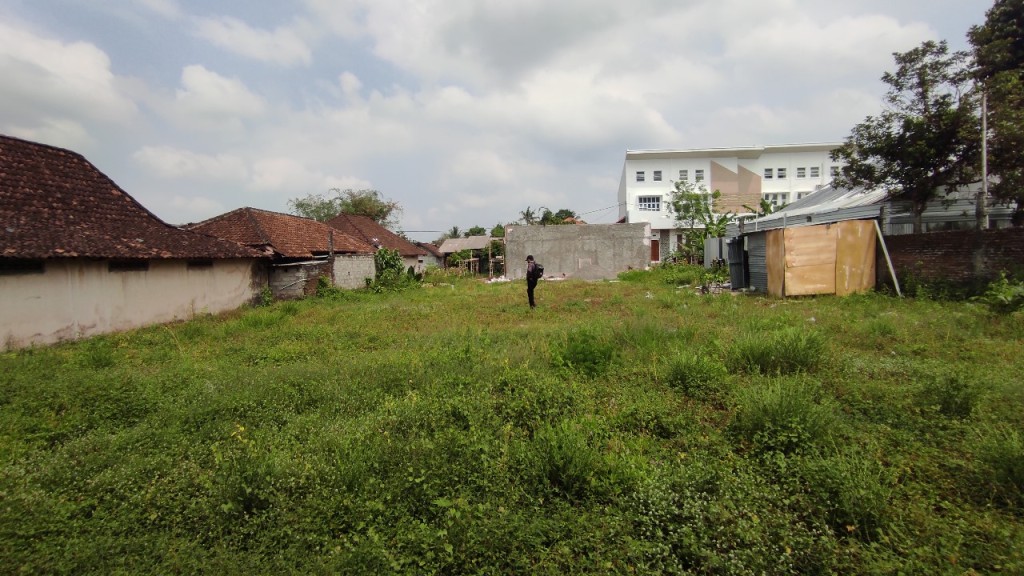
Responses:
[981,202]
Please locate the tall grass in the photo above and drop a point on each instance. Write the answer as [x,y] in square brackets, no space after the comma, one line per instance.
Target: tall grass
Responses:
[626,427]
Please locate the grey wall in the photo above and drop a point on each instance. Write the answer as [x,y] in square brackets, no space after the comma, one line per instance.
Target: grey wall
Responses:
[586,251]
[352,270]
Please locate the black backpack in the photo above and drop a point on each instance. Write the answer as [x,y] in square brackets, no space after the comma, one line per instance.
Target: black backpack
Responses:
[538,270]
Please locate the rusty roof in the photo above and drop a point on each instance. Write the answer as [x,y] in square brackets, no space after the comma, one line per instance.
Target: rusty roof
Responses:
[287,235]
[368,230]
[55,204]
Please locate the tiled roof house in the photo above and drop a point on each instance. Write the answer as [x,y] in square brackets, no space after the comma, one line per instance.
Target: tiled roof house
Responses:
[80,256]
[282,235]
[368,230]
[300,248]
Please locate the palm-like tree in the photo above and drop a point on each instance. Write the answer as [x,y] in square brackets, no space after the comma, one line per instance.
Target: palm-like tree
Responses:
[528,216]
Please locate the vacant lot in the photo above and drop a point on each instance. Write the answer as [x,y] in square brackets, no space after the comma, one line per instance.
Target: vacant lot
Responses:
[629,427]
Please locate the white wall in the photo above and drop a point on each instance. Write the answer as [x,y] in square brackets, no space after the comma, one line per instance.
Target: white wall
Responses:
[75,298]
[352,270]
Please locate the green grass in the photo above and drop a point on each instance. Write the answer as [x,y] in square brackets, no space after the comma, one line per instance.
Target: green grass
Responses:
[627,427]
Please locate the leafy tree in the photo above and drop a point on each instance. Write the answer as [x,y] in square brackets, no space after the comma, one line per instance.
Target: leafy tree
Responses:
[999,57]
[554,218]
[926,142]
[369,203]
[694,209]
[498,231]
[764,208]
[476,231]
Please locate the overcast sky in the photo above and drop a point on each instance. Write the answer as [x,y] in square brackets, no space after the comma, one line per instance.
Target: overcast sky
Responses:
[463,111]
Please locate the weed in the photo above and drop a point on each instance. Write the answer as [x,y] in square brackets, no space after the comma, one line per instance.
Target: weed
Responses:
[951,394]
[1003,296]
[786,351]
[698,375]
[1000,449]
[584,351]
[784,415]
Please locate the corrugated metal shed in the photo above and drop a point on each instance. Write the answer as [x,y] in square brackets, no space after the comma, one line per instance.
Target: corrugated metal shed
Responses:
[452,245]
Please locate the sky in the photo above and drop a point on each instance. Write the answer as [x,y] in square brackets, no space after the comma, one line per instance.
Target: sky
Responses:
[465,112]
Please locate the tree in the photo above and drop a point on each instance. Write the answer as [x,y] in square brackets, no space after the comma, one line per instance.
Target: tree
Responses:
[528,216]
[498,231]
[926,143]
[764,208]
[368,203]
[476,231]
[563,216]
[694,209]
[999,69]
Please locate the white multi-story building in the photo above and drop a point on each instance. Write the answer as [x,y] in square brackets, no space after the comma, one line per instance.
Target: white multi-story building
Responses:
[778,174]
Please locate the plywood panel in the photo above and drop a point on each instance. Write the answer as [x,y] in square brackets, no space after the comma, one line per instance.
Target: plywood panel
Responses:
[811,246]
[855,256]
[807,280]
[775,261]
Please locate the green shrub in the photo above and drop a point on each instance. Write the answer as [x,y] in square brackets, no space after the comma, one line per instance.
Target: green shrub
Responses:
[567,461]
[697,375]
[950,394]
[1003,296]
[1000,450]
[786,351]
[785,416]
[853,489]
[585,352]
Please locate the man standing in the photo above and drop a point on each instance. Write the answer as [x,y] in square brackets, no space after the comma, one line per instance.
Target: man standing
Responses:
[531,279]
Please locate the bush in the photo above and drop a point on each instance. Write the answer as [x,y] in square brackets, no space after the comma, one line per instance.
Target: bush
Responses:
[787,351]
[697,375]
[853,489]
[584,352]
[950,394]
[1003,296]
[784,416]
[1000,450]
[567,461]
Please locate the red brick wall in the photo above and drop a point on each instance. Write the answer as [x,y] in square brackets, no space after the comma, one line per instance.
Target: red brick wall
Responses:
[949,256]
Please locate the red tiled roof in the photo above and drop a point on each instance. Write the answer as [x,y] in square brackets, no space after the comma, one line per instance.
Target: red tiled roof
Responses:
[368,230]
[431,248]
[287,235]
[54,203]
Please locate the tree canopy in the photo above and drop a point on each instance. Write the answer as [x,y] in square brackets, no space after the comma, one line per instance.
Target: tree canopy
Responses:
[694,209]
[368,203]
[926,142]
[999,69]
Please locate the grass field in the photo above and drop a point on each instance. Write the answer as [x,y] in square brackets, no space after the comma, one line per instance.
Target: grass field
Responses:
[626,427]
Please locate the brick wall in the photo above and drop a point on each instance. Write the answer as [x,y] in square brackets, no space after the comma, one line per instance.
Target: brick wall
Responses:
[949,256]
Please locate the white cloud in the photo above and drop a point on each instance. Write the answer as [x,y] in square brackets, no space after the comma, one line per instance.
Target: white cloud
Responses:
[167,162]
[166,8]
[64,83]
[284,46]
[209,101]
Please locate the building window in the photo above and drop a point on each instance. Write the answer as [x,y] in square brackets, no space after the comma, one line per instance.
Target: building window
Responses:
[767,173]
[18,266]
[777,198]
[815,172]
[833,171]
[649,203]
[801,172]
[640,176]
[781,173]
[657,175]
[684,175]
[128,266]
[698,175]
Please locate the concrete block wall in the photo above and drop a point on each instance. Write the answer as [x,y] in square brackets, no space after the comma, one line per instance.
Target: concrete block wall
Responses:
[586,251]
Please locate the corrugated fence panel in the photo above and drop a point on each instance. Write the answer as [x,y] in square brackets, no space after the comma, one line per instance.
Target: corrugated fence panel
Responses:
[757,262]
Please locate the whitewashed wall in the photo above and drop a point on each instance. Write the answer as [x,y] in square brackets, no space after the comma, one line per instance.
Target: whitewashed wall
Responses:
[76,298]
